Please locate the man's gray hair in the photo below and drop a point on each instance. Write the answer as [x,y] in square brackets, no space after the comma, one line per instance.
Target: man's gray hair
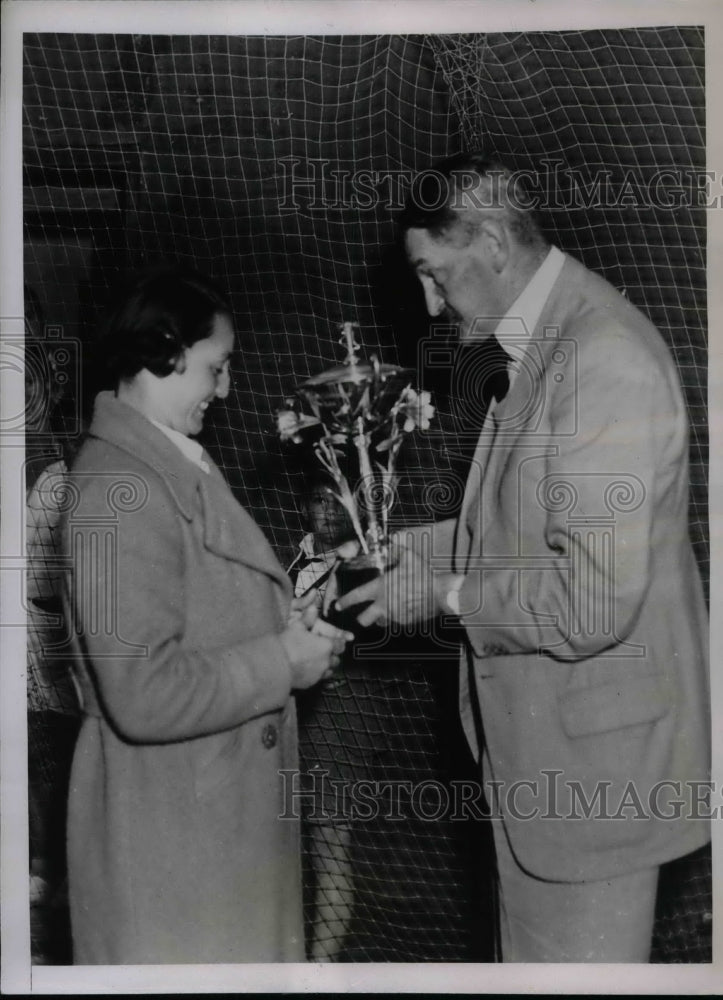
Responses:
[460,192]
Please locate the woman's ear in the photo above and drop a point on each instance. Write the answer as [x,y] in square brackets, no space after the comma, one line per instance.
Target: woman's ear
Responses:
[179,363]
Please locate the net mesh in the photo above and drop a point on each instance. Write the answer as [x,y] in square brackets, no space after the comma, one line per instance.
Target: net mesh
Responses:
[613,123]
[277,164]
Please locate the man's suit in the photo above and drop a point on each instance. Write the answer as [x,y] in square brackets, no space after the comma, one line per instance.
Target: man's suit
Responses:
[582,603]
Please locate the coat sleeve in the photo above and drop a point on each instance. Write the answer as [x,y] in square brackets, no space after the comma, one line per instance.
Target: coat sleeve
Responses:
[125,587]
[582,591]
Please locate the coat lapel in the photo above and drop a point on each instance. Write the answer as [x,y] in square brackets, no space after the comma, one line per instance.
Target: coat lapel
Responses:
[228,530]
[231,532]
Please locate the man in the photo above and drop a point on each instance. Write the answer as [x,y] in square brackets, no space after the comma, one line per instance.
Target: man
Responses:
[571,570]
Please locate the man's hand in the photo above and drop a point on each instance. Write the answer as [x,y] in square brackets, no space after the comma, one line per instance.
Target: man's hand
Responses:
[407,593]
[345,551]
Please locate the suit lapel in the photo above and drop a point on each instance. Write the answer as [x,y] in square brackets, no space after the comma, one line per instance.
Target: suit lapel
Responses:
[519,410]
[503,424]
[470,502]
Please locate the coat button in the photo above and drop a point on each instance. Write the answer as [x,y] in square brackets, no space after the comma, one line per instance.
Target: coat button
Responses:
[269,736]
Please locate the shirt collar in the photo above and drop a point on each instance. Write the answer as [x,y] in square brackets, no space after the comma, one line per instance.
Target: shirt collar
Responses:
[516,327]
[309,553]
[328,556]
[307,546]
[190,448]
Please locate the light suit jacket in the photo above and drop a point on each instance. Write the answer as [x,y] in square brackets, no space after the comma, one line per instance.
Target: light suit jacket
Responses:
[176,851]
[582,604]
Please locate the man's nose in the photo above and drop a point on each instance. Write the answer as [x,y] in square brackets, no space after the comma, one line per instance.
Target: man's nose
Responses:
[435,302]
[223,384]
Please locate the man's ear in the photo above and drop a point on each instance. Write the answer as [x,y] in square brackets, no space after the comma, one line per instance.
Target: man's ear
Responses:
[495,242]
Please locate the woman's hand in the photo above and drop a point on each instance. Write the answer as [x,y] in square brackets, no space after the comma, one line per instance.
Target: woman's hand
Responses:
[306,608]
[312,651]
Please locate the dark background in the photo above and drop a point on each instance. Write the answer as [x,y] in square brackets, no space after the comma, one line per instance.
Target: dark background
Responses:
[139,148]
[144,147]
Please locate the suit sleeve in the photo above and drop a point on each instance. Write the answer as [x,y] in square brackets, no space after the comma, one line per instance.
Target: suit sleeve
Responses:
[434,542]
[126,594]
[583,590]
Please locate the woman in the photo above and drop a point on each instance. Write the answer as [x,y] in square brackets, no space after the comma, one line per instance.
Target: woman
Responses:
[187,650]
[53,716]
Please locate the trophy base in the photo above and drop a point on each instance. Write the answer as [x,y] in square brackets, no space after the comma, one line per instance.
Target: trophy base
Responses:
[350,574]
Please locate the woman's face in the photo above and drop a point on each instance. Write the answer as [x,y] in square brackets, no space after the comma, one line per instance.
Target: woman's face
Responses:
[205,377]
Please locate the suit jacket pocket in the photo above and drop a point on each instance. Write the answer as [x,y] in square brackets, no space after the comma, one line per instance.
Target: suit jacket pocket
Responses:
[607,707]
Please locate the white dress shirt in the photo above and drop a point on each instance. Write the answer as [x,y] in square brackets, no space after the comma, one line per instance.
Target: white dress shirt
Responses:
[514,331]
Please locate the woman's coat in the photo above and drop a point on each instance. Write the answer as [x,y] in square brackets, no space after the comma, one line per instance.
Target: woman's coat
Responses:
[176,849]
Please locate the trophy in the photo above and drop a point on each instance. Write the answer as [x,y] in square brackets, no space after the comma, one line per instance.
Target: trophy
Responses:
[356,416]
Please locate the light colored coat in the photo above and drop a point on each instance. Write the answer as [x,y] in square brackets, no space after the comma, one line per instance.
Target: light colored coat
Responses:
[176,851]
[582,604]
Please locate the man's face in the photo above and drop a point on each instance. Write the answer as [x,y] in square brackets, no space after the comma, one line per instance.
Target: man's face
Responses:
[459,282]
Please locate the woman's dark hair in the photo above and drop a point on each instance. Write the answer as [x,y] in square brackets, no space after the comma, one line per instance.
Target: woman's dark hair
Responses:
[154,318]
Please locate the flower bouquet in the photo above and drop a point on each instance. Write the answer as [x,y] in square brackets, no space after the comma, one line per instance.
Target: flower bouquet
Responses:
[356,416]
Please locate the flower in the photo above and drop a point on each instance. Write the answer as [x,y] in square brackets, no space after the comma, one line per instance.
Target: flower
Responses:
[417,409]
[357,408]
[291,424]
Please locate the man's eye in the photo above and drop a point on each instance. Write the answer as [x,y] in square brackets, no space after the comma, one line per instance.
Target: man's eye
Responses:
[434,276]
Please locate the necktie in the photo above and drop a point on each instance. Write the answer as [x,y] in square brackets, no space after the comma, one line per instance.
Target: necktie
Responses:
[303,561]
[479,376]
[488,361]
[307,571]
